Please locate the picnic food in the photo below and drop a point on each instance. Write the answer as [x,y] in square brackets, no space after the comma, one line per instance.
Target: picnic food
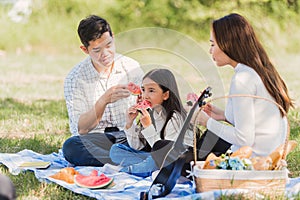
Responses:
[208,164]
[143,104]
[240,159]
[243,152]
[66,174]
[92,181]
[277,154]
[261,163]
[134,89]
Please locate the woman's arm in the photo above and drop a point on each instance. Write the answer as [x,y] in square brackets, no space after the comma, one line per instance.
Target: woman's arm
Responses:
[242,110]
[214,112]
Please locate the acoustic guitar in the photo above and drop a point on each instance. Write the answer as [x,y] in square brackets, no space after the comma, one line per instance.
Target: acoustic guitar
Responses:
[174,159]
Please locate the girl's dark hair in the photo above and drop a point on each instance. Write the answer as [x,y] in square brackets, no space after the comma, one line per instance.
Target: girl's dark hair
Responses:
[92,28]
[237,39]
[167,82]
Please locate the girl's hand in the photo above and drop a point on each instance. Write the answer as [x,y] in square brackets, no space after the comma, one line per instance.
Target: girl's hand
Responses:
[145,119]
[131,114]
[214,112]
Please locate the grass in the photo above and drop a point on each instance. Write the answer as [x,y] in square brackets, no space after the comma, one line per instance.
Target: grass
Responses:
[34,117]
[37,57]
[28,187]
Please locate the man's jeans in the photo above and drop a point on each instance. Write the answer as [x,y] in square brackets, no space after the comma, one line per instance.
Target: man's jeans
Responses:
[91,149]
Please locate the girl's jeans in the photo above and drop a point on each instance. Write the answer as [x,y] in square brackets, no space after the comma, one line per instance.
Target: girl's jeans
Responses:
[139,163]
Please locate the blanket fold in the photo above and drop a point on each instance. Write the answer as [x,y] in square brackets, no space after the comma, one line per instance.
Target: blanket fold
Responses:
[126,186]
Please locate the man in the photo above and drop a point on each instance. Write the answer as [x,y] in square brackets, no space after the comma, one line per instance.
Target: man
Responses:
[97,96]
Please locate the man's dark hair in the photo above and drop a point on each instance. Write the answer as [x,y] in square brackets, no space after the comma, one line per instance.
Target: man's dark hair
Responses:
[92,28]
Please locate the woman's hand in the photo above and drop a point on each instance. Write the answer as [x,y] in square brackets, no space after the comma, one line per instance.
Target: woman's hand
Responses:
[202,118]
[214,112]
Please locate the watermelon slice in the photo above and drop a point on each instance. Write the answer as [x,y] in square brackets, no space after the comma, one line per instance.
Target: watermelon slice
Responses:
[191,98]
[94,173]
[134,89]
[92,181]
[143,104]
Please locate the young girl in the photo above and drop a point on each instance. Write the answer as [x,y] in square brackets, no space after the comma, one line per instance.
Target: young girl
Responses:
[160,89]
[254,121]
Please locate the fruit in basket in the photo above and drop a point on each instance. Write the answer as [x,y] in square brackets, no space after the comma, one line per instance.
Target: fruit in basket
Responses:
[93,181]
[66,174]
[134,89]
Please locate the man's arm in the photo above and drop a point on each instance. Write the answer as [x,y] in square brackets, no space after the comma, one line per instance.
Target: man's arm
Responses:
[90,119]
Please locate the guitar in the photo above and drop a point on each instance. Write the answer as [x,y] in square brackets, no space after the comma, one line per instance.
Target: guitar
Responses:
[174,159]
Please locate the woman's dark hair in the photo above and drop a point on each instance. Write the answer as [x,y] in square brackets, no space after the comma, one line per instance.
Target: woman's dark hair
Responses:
[92,28]
[167,82]
[237,39]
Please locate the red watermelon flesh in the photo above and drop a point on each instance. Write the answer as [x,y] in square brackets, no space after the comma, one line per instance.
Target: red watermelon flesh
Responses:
[94,173]
[134,89]
[92,181]
[143,104]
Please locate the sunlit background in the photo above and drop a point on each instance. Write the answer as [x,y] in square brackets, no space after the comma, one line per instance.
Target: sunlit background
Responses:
[39,42]
[39,46]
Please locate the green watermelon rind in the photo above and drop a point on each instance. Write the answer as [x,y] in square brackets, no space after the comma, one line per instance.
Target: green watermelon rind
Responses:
[93,187]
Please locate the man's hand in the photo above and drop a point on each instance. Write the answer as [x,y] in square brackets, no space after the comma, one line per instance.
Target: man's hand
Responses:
[116,93]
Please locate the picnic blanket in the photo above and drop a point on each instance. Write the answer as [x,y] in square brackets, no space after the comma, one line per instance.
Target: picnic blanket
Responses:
[127,186]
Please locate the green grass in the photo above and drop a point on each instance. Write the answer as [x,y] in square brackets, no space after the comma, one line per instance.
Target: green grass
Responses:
[39,122]
[27,185]
[36,56]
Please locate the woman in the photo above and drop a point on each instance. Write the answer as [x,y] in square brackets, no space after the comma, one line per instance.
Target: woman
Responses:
[160,89]
[254,122]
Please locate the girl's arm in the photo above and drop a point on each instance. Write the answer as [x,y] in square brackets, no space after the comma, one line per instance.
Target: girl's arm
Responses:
[133,128]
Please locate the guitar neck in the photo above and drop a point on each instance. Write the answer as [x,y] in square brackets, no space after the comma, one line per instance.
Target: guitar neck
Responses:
[179,141]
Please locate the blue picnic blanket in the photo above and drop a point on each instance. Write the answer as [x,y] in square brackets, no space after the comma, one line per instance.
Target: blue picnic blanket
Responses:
[126,186]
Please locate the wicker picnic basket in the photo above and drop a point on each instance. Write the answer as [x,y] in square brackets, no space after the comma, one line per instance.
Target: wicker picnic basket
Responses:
[269,183]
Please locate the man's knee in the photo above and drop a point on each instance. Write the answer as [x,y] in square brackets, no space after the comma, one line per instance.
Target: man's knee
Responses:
[69,147]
